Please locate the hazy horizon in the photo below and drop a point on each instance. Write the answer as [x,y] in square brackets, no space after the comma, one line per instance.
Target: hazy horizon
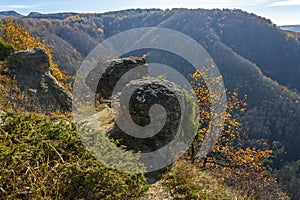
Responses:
[280,12]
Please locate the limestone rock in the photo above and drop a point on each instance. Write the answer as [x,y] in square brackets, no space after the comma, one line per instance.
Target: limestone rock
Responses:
[151,91]
[32,71]
[113,70]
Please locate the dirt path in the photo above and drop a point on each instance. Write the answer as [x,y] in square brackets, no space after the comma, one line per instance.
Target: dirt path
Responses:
[105,120]
[157,191]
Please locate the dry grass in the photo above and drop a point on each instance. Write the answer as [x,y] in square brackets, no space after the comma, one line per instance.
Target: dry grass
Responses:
[186,181]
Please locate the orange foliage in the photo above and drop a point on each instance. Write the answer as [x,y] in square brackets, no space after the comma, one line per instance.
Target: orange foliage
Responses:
[100,30]
[228,151]
[19,37]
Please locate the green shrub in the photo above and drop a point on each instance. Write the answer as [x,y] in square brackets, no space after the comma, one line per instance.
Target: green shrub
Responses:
[41,159]
[5,50]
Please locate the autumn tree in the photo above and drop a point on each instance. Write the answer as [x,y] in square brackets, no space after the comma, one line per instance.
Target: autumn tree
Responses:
[229,154]
[20,38]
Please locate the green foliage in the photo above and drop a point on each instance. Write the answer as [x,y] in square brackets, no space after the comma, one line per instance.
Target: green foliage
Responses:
[289,177]
[189,120]
[41,159]
[5,50]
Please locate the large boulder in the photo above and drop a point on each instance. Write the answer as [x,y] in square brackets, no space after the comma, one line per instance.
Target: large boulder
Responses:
[32,71]
[112,70]
[146,93]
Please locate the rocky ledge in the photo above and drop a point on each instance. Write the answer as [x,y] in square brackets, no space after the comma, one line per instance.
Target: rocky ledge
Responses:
[32,71]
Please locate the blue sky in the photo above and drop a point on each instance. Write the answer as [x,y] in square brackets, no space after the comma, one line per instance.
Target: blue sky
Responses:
[281,12]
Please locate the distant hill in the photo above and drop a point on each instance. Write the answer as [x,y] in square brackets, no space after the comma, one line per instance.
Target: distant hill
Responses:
[50,16]
[10,14]
[253,55]
[294,28]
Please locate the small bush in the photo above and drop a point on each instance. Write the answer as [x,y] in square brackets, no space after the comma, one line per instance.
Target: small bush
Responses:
[186,181]
[41,159]
[5,50]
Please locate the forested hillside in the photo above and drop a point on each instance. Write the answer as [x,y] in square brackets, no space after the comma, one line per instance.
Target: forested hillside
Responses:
[254,56]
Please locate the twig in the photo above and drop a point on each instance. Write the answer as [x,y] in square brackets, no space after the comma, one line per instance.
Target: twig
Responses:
[57,153]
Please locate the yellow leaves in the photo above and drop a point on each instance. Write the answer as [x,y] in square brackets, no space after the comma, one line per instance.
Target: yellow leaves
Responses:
[20,38]
[269,151]
[285,89]
[73,18]
[100,30]
[250,157]
[290,35]
[228,146]
[196,74]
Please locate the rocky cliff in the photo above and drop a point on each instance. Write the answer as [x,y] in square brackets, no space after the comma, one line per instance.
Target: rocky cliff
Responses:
[32,71]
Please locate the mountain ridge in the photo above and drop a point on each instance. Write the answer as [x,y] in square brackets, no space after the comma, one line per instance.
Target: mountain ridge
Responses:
[254,56]
[10,13]
[294,28]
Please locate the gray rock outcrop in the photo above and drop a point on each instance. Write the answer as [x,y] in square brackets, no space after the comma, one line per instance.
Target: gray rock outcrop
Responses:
[144,93]
[32,71]
[151,91]
[113,70]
